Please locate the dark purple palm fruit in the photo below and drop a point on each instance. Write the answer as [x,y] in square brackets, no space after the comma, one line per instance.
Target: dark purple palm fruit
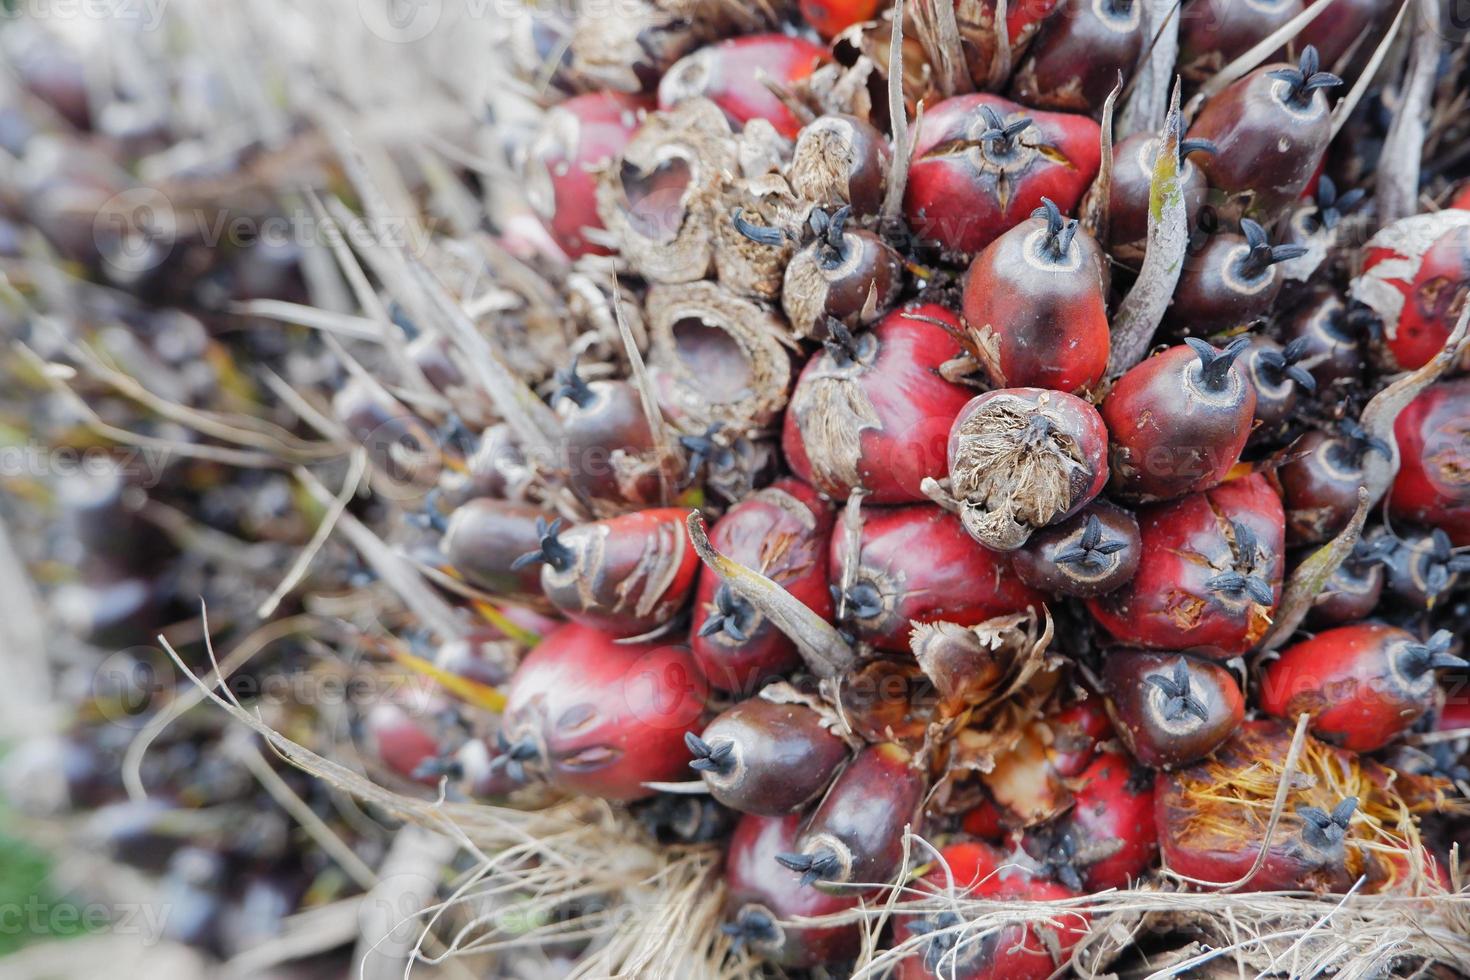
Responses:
[1128,199]
[604,433]
[1276,374]
[1087,555]
[845,274]
[767,757]
[1233,281]
[1320,480]
[1079,53]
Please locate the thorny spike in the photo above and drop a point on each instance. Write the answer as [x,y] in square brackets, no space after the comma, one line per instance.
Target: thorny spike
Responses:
[761,235]
[1091,549]
[569,384]
[1324,830]
[1246,547]
[1361,442]
[1176,689]
[718,759]
[1418,659]
[750,926]
[863,600]
[1263,254]
[1059,230]
[836,225]
[552,551]
[1305,79]
[821,866]
[1215,364]
[840,342]
[731,616]
[1280,365]
[1092,532]
[704,451]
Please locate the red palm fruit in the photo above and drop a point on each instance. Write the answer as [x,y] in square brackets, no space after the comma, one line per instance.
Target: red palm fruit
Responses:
[918,565]
[402,742]
[1271,129]
[1433,482]
[762,897]
[1333,336]
[1213,33]
[597,717]
[723,73]
[1133,175]
[1231,282]
[626,575]
[1364,685]
[1108,838]
[1089,554]
[855,835]
[485,539]
[831,17]
[1352,591]
[1169,709]
[840,160]
[1212,816]
[1210,573]
[1033,948]
[984,820]
[1420,568]
[1023,458]
[604,433]
[1178,421]
[1035,305]
[1416,274]
[768,758]
[577,139]
[1077,56]
[1276,375]
[782,532]
[982,165]
[872,412]
[1320,480]
[1077,732]
[853,276]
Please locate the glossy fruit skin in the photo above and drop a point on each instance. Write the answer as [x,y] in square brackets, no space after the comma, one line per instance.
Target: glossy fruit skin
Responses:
[890,404]
[756,882]
[1045,478]
[1035,320]
[1350,594]
[831,17]
[1171,433]
[484,538]
[578,137]
[1213,33]
[840,159]
[723,73]
[601,718]
[1133,171]
[602,420]
[1141,713]
[1014,952]
[1433,482]
[782,757]
[862,817]
[1416,275]
[1320,485]
[1291,861]
[1214,295]
[1334,347]
[1077,732]
[918,564]
[1167,605]
[1268,150]
[1036,562]
[782,531]
[402,742]
[1076,58]
[954,198]
[606,581]
[1107,839]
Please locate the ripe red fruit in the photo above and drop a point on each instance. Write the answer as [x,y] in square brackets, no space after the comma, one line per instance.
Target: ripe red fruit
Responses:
[1169,709]
[783,532]
[1433,482]
[840,159]
[578,137]
[604,435]
[1108,838]
[762,897]
[1077,56]
[1076,733]
[1416,274]
[982,165]
[831,17]
[627,575]
[1023,458]
[918,565]
[1271,128]
[1035,305]
[872,412]
[768,758]
[1209,576]
[1364,685]
[1033,949]
[401,741]
[855,835]
[1128,199]
[1089,554]
[724,72]
[1179,420]
[485,538]
[598,717]
[1231,282]
[1320,481]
